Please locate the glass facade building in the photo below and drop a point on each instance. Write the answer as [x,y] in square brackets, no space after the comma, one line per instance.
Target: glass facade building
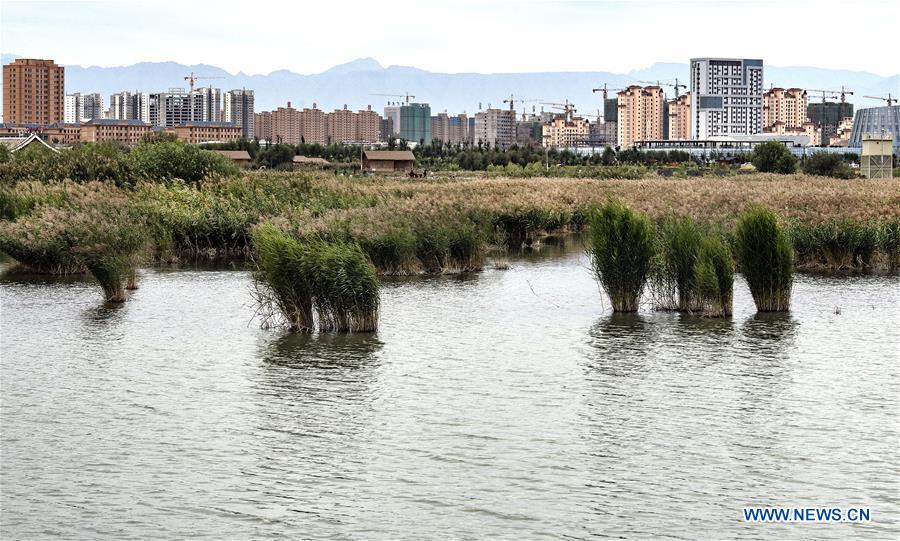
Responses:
[415,123]
[876,120]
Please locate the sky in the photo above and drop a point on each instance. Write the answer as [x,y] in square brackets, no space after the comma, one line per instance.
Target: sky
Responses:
[456,36]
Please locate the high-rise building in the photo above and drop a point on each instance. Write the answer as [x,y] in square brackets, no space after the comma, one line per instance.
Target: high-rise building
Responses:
[206,105]
[262,125]
[496,127]
[129,106]
[562,132]
[459,129]
[726,97]
[386,130]
[641,115]
[440,127]
[827,116]
[286,126]
[313,125]
[171,108]
[680,117]
[415,123]
[785,106]
[339,126]
[83,107]
[392,112]
[239,110]
[368,125]
[34,92]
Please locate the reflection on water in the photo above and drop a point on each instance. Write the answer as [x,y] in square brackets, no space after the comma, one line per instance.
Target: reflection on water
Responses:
[506,404]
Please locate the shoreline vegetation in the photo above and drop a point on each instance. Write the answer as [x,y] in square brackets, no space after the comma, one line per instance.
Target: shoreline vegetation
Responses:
[444,224]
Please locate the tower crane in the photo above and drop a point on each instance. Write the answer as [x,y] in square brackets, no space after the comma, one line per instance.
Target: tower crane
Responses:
[193,77]
[606,90]
[676,85]
[407,96]
[567,108]
[889,99]
[512,100]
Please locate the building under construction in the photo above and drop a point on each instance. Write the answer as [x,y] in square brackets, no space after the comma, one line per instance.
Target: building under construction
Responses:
[828,116]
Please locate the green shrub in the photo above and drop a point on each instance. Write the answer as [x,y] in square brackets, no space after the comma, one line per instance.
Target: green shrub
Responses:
[827,165]
[713,277]
[773,157]
[176,160]
[620,243]
[765,255]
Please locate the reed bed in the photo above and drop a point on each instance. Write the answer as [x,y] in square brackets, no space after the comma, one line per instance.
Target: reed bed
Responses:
[620,243]
[313,284]
[766,259]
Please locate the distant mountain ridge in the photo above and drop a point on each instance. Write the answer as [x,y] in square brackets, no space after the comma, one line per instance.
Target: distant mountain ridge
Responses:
[353,84]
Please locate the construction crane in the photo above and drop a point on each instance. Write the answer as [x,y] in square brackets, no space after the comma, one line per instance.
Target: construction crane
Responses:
[193,77]
[512,101]
[407,96]
[889,99]
[606,90]
[842,93]
[676,85]
[567,108]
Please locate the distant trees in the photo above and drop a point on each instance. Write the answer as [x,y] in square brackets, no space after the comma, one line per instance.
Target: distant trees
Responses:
[827,165]
[773,157]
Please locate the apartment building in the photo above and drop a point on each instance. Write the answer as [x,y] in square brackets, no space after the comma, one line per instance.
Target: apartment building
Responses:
[392,112]
[286,126]
[828,116]
[129,132]
[206,105]
[312,122]
[206,132]
[565,133]
[415,123]
[82,107]
[440,127]
[171,108]
[262,125]
[495,127]
[238,109]
[641,115]
[680,117]
[386,130]
[726,97]
[129,106]
[34,92]
[340,126]
[367,126]
[785,106]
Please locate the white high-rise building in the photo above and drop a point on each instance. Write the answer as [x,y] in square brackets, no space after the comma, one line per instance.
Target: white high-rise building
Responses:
[206,104]
[130,106]
[83,107]
[392,111]
[170,109]
[726,97]
[239,110]
[496,127]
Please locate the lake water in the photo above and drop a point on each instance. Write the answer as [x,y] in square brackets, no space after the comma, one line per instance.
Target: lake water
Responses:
[504,405]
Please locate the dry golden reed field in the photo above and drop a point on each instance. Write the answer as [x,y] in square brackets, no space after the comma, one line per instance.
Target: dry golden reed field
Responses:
[715,199]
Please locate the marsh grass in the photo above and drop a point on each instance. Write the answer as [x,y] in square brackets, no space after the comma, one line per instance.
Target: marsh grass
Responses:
[713,278]
[765,255]
[314,284]
[620,244]
[844,244]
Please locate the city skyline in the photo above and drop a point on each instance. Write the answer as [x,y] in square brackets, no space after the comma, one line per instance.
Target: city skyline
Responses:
[410,34]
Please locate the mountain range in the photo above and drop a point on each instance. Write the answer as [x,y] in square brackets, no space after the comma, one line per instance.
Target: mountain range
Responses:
[354,83]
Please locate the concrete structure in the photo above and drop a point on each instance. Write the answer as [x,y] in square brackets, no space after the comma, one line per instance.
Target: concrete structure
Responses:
[241,158]
[129,106]
[784,106]
[262,125]
[386,129]
[827,116]
[495,127]
[238,109]
[876,158]
[530,131]
[841,137]
[83,107]
[876,120]
[459,129]
[415,123]
[206,132]
[129,132]
[33,92]
[388,160]
[563,133]
[440,127]
[641,115]
[169,109]
[726,97]
[680,117]
[284,125]
[367,126]
[206,105]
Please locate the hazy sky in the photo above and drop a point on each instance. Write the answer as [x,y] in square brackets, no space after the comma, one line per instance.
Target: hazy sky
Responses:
[456,36]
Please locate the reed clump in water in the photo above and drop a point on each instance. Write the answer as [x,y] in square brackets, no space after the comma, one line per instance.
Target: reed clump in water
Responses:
[620,243]
[693,270]
[766,259]
[314,284]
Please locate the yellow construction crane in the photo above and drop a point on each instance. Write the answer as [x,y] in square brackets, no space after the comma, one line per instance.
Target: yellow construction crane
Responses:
[407,96]
[193,77]
[889,99]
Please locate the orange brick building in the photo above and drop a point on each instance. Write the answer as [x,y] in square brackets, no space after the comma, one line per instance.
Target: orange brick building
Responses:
[34,92]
